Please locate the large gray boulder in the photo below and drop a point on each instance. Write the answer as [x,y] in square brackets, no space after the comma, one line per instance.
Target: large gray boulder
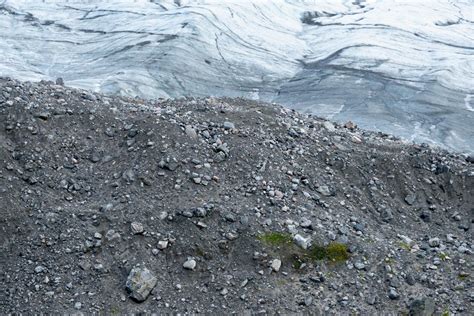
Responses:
[140,283]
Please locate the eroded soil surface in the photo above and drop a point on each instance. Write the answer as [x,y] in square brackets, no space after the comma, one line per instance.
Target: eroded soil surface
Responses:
[218,199]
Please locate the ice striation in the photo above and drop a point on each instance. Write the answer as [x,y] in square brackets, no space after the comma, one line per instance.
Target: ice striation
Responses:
[404,67]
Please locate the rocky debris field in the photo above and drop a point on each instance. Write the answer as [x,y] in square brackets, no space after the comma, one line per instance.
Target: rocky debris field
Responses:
[222,206]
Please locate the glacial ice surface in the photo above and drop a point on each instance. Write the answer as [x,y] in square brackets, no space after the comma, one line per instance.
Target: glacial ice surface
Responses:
[399,66]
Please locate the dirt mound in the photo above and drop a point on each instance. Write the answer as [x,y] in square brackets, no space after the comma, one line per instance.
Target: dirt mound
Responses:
[217,206]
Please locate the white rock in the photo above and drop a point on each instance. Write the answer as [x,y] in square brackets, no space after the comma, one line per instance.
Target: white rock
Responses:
[190,264]
[137,228]
[329,126]
[301,241]
[406,240]
[163,244]
[276,265]
[190,131]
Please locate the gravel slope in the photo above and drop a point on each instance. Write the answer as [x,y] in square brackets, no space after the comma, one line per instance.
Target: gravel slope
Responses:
[109,201]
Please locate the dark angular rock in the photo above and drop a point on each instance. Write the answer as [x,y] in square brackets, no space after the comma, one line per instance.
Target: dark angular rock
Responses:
[410,198]
[422,307]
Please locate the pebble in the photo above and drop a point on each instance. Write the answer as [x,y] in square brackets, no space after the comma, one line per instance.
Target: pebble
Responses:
[371,299]
[111,235]
[229,125]
[434,242]
[137,228]
[276,265]
[359,227]
[306,223]
[356,139]
[410,279]
[393,294]
[387,215]
[308,300]
[190,264]
[162,244]
[329,126]
[324,190]
[190,131]
[422,307]
[410,198]
[301,241]
[359,265]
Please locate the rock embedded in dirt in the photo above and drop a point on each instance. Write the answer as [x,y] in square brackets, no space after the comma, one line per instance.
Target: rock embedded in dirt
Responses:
[422,307]
[276,265]
[140,283]
[162,244]
[434,242]
[191,132]
[302,241]
[137,228]
[410,198]
[190,264]
[229,125]
[324,190]
[393,294]
[359,265]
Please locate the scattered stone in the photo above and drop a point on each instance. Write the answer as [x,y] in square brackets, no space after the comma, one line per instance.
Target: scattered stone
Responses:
[229,125]
[425,216]
[111,235]
[422,307]
[434,242]
[324,190]
[387,215]
[276,265]
[410,279]
[137,228]
[190,264]
[359,265]
[410,198]
[371,299]
[356,140]
[393,294]
[129,175]
[308,300]
[140,283]
[190,131]
[163,244]
[301,241]
[306,223]
[43,115]
[329,126]
[350,125]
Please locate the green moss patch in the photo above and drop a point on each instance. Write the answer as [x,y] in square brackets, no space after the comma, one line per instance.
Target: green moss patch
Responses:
[276,239]
[282,245]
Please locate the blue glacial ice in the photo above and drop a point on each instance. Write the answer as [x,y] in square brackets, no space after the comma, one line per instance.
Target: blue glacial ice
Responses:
[404,67]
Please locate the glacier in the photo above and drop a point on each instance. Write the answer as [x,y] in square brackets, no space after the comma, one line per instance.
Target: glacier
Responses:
[404,67]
